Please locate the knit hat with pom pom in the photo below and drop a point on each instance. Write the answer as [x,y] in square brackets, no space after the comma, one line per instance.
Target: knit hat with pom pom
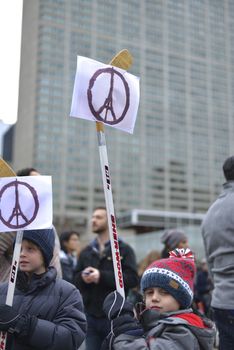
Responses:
[175,275]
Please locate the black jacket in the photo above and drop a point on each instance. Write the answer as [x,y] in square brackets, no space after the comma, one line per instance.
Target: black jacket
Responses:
[94,294]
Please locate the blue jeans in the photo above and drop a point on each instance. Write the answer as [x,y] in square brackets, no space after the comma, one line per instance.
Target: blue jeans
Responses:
[224,320]
[98,329]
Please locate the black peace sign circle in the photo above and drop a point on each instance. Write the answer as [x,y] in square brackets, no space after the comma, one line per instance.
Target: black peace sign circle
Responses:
[108,104]
[16,210]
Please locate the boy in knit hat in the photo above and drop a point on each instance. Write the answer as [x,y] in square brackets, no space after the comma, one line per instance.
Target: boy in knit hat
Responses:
[47,313]
[165,320]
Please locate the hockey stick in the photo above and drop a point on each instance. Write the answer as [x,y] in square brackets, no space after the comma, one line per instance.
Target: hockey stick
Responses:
[122,60]
[6,171]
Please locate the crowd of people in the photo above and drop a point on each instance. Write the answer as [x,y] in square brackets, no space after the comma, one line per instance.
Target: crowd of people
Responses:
[66,298]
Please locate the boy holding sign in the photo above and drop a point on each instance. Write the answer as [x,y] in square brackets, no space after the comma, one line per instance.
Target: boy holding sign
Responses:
[47,313]
[165,320]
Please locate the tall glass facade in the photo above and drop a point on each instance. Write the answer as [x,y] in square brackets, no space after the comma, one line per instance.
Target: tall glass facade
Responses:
[183,53]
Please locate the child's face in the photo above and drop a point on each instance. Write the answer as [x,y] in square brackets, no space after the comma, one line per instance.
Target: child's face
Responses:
[159,299]
[31,258]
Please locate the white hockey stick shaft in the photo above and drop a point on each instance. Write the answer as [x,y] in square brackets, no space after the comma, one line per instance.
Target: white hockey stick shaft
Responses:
[110,210]
[14,268]
[122,59]
[12,281]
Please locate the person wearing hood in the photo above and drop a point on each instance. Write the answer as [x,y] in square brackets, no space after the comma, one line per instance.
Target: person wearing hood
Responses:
[165,320]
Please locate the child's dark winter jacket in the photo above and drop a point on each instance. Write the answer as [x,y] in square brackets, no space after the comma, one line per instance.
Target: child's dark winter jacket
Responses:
[58,307]
[181,330]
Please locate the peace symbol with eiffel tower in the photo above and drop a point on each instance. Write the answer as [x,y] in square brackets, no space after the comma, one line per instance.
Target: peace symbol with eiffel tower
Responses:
[18,218]
[106,113]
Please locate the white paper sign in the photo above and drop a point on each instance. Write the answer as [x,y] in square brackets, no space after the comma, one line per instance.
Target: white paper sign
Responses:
[106,94]
[25,203]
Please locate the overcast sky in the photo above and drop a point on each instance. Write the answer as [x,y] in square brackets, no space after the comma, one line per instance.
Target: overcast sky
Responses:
[10,36]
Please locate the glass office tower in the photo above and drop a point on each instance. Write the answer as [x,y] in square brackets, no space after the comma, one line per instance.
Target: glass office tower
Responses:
[183,53]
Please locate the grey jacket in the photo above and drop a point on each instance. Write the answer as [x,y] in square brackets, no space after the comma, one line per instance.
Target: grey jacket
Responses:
[218,236]
[169,332]
[59,308]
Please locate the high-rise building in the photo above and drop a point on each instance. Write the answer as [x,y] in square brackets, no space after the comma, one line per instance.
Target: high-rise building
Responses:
[184,54]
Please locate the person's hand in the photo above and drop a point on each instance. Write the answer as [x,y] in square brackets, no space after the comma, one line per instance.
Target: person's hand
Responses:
[13,322]
[115,305]
[8,317]
[90,275]
[121,314]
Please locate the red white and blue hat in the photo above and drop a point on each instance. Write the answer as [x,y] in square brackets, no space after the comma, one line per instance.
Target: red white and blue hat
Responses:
[174,274]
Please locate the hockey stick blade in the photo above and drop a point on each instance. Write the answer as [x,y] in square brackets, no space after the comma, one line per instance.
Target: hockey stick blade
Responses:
[123,59]
[5,169]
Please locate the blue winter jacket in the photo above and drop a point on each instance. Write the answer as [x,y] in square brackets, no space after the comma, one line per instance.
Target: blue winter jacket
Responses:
[58,306]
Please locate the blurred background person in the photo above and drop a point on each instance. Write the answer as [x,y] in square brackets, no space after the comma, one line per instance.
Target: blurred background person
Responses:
[203,288]
[70,248]
[135,296]
[27,172]
[147,260]
[172,239]
[6,242]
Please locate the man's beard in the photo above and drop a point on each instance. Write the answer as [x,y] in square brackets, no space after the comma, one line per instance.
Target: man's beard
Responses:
[99,230]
